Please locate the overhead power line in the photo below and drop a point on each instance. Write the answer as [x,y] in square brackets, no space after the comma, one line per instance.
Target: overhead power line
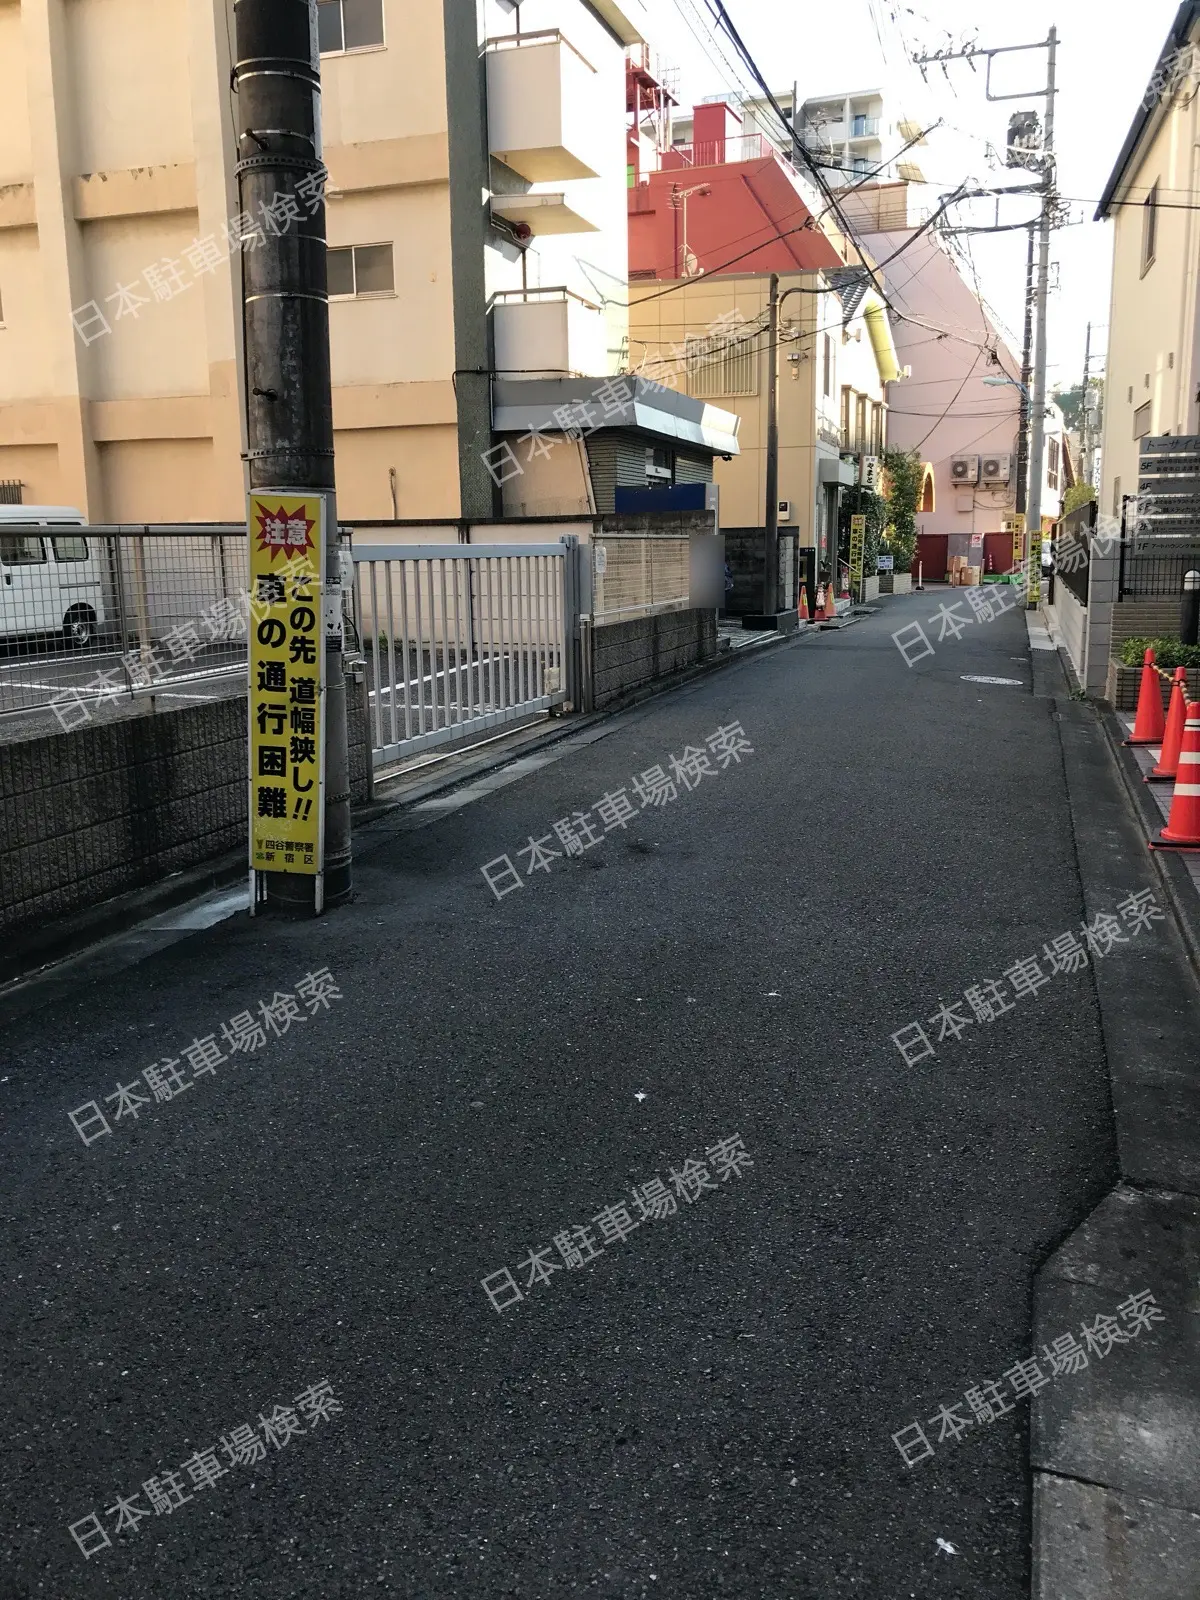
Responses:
[789,133]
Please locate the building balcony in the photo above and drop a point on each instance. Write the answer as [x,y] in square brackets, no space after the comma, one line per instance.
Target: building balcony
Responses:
[843,132]
[543,107]
[548,333]
[542,213]
[723,152]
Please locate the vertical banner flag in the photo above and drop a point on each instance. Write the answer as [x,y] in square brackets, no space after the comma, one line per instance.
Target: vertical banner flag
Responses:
[1018,537]
[1033,563]
[287,665]
[858,532]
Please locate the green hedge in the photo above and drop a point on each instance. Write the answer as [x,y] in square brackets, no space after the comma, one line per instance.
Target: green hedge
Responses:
[1167,652]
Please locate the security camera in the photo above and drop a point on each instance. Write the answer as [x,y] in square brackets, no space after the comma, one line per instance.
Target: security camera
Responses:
[726,458]
[522,232]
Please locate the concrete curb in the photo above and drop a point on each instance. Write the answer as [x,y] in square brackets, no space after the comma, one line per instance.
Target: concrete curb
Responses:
[1115,1449]
[67,936]
[1176,883]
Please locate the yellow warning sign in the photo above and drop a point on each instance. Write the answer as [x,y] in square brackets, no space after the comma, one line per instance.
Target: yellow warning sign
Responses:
[287,663]
[858,534]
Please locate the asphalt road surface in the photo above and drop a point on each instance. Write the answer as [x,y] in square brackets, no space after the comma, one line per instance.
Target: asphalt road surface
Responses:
[704,1407]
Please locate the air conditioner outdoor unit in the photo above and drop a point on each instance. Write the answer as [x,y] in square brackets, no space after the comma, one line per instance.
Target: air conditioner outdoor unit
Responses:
[785,511]
[997,469]
[964,469]
[869,475]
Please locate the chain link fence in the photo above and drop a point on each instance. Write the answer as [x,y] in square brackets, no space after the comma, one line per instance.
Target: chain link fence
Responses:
[90,616]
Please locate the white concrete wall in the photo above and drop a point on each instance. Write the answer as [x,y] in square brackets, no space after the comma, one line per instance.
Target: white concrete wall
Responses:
[1069,618]
[592,265]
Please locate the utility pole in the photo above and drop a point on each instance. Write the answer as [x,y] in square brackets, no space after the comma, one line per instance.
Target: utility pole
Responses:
[772,616]
[288,392]
[1084,469]
[1037,443]
[1037,403]
[1026,374]
[771,546]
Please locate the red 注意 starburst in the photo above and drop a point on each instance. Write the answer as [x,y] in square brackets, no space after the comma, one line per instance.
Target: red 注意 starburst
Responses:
[284,532]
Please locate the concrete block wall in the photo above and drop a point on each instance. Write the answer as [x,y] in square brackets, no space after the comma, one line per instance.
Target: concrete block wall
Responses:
[88,815]
[1070,619]
[1124,682]
[1149,619]
[1111,620]
[651,523]
[1103,583]
[744,555]
[627,655]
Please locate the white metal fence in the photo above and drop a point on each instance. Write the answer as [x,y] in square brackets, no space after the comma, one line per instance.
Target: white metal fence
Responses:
[460,639]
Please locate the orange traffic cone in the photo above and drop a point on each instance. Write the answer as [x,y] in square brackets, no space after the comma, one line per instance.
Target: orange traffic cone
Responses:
[1168,761]
[1182,831]
[1149,723]
[830,604]
[804,616]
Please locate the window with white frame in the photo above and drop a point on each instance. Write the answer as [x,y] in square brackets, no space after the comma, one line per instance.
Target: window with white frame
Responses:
[361,270]
[349,25]
[722,366]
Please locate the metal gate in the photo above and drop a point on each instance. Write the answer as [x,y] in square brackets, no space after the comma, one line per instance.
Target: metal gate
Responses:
[461,640]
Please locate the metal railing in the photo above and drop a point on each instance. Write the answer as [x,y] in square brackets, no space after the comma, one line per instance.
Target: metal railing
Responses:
[1145,571]
[462,639]
[722,152]
[90,615]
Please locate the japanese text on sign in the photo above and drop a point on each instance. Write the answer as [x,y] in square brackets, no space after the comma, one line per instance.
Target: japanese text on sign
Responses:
[287,542]
[858,533]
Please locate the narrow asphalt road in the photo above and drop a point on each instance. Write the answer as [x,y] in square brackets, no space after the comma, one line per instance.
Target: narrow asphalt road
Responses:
[706,1406]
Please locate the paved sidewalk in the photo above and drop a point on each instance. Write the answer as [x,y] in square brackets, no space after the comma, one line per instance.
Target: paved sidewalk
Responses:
[1116,1454]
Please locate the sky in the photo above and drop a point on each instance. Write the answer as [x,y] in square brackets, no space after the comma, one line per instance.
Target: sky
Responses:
[1106,56]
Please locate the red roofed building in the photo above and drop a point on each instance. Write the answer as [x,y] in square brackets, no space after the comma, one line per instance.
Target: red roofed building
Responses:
[728,201]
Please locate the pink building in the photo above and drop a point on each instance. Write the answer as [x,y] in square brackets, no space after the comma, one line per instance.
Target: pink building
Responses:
[960,408]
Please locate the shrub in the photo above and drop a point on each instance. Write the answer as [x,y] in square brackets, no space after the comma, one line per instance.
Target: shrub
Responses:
[904,473]
[1079,494]
[1169,653]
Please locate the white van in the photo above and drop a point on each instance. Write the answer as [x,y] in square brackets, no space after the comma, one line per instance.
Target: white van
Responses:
[51,580]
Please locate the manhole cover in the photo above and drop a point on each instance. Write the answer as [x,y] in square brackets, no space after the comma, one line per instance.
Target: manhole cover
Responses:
[1017,683]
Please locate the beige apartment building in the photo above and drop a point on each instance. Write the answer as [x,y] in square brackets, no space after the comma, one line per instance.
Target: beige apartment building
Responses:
[1152,382]
[478,255]
[836,356]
